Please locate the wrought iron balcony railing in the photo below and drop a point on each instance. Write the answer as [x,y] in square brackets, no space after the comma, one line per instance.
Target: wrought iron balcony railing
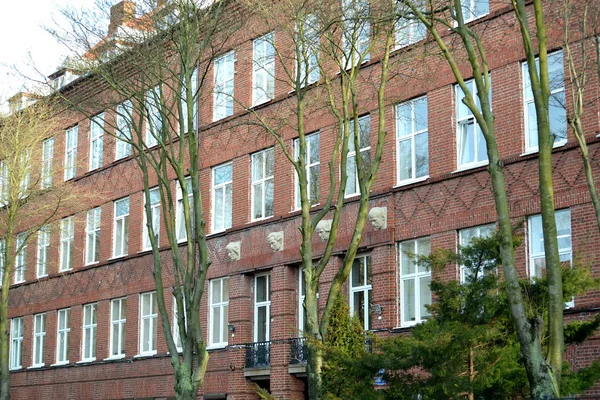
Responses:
[258,355]
[298,351]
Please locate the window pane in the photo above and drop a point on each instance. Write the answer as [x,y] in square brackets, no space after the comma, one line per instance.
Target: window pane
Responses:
[467,137]
[425,295]
[261,288]
[406,159]
[421,155]
[409,299]
[261,322]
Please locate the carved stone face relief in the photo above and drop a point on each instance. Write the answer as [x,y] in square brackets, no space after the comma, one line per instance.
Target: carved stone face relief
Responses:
[323,229]
[234,250]
[275,240]
[378,218]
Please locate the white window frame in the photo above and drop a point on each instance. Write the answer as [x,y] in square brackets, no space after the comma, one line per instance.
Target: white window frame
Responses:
[117,323]
[555,91]
[480,231]
[124,127]
[70,167]
[469,10]
[364,290]
[89,330]
[309,143]
[92,237]
[364,124]
[96,141]
[180,217]
[21,258]
[408,30]
[565,253]
[16,343]
[43,249]
[223,191]
[463,121]
[262,182]
[310,47]
[263,69]
[224,75]
[47,163]
[152,319]
[414,133]
[155,212]
[223,306]
[355,24]
[154,120]
[39,340]
[175,325]
[63,333]
[2,257]
[418,247]
[183,103]
[4,183]
[67,237]
[259,304]
[121,223]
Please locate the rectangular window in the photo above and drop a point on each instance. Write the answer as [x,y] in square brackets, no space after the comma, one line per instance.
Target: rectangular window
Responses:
[301,306]
[124,127]
[4,184]
[222,197]
[154,120]
[25,178]
[63,336]
[556,103]
[117,327]
[96,141]
[412,138]
[42,251]
[307,53]
[464,239]
[175,325]
[223,90]
[92,243]
[364,141]
[408,28]
[184,102]
[39,340]
[360,290]
[473,9]
[537,257]
[155,212]
[67,236]
[47,159]
[262,184]
[71,136]
[219,312]
[2,257]
[16,342]
[263,69]
[121,228]
[415,280]
[312,161]
[148,323]
[470,141]
[356,32]
[181,220]
[21,261]
[262,307]
[90,324]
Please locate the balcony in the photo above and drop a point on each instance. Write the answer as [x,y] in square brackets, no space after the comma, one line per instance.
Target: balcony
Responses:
[298,357]
[258,360]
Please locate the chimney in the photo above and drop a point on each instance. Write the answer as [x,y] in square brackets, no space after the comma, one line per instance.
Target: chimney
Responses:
[121,13]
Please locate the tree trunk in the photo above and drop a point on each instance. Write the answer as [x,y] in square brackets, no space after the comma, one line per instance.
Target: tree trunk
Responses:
[313,369]
[4,339]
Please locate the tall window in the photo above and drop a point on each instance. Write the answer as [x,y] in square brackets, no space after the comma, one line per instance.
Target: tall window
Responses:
[154,120]
[71,152]
[415,279]
[356,32]
[16,342]
[39,339]
[47,159]
[464,239]
[409,29]
[312,161]
[117,327]
[262,184]
[470,141]
[155,212]
[219,312]
[307,37]
[412,140]
[181,221]
[62,336]
[92,243]
[360,290]
[67,236]
[124,126]
[96,141]
[184,102]
[4,184]
[537,257]
[263,69]
[556,104]
[121,232]
[301,306]
[473,9]
[42,251]
[24,184]
[223,91]
[21,261]
[262,308]
[364,141]
[175,325]
[148,323]
[2,257]
[222,197]
[90,324]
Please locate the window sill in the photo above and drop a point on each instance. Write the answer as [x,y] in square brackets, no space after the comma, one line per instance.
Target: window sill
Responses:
[259,219]
[411,181]
[117,257]
[295,210]
[111,358]
[60,364]
[37,366]
[92,263]
[41,276]
[19,282]
[537,149]
[16,368]
[86,361]
[142,355]
[470,166]
[60,271]
[216,346]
